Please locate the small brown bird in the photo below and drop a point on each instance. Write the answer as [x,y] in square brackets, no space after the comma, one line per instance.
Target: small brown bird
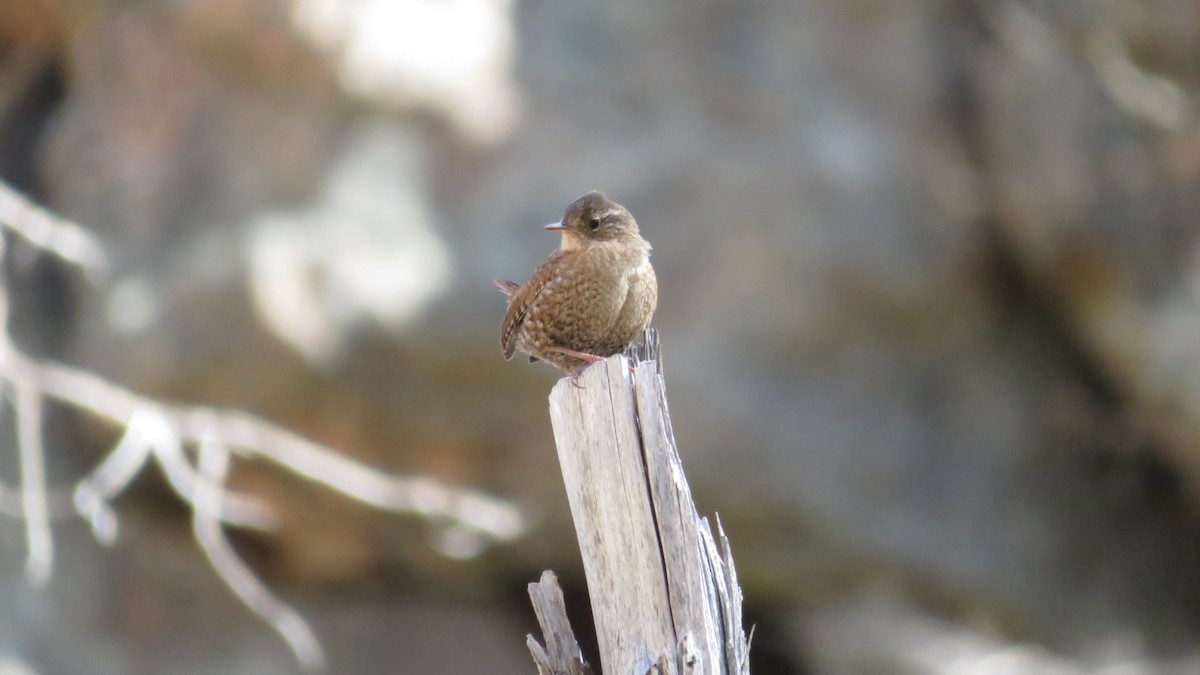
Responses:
[589,299]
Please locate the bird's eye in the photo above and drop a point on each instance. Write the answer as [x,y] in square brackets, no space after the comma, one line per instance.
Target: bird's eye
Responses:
[594,223]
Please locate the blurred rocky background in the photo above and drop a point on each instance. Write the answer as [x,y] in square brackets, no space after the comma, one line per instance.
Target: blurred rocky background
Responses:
[929,302]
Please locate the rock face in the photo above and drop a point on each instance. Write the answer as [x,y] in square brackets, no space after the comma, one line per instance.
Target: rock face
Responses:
[928,280]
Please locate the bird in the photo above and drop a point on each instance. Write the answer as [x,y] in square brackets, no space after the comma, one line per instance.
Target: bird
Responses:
[589,299]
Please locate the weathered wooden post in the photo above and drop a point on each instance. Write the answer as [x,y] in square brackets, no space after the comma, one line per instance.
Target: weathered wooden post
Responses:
[665,596]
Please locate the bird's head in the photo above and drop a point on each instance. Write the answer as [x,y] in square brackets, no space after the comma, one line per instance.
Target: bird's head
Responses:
[594,218]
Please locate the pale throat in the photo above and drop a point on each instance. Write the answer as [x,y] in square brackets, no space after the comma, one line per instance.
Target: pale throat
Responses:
[570,242]
[614,248]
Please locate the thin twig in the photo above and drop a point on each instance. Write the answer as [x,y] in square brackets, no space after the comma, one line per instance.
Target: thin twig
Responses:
[49,232]
[165,434]
[206,525]
[253,438]
[40,562]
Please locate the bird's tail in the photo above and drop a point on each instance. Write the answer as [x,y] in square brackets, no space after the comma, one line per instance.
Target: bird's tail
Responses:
[506,287]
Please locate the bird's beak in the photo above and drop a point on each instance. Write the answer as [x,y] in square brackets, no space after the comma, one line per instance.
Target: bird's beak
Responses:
[554,227]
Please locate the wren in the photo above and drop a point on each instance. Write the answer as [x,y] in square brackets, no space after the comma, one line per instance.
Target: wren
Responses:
[589,299]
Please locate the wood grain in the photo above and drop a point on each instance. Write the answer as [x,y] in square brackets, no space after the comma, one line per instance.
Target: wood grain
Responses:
[664,596]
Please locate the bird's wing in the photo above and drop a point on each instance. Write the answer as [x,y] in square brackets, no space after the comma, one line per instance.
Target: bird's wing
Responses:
[521,299]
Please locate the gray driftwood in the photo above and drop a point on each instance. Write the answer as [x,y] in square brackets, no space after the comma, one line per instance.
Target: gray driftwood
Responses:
[664,593]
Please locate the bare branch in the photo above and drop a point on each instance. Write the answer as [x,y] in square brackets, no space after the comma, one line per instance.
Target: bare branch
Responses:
[40,563]
[51,233]
[206,525]
[58,503]
[167,434]
[251,437]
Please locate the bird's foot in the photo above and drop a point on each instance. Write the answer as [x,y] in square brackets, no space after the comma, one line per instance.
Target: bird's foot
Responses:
[573,377]
[574,373]
[582,356]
